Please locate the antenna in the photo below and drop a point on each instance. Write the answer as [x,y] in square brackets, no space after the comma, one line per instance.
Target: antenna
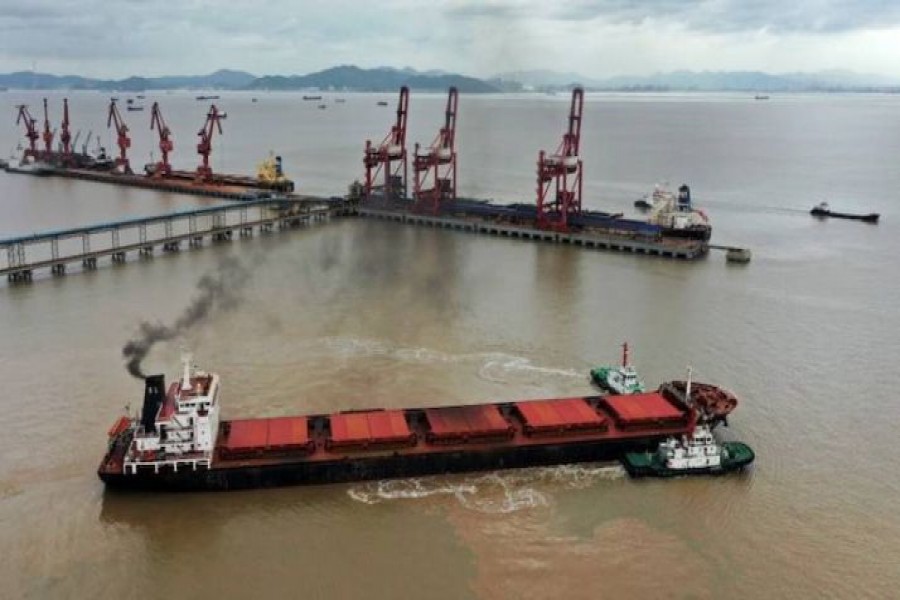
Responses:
[186,360]
[687,387]
[625,354]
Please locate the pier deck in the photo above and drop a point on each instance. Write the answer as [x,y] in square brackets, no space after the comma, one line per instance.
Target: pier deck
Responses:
[680,249]
[115,239]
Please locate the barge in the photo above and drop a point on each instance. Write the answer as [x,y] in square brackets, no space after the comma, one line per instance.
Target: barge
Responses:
[179,443]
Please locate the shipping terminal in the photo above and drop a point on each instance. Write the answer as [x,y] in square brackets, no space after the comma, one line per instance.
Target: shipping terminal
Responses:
[179,443]
[674,229]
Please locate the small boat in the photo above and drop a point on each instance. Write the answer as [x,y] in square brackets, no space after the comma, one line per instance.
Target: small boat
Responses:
[323,106]
[312,97]
[339,100]
[382,103]
[823,210]
[207,97]
[695,454]
[618,379]
[738,255]
[760,97]
[252,99]
[135,107]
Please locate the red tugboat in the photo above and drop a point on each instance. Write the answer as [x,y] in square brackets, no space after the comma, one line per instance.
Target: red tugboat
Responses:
[178,443]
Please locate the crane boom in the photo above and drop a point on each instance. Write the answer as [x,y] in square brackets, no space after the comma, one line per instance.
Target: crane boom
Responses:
[388,159]
[562,171]
[122,139]
[48,134]
[65,137]
[204,146]
[31,133]
[158,123]
[437,165]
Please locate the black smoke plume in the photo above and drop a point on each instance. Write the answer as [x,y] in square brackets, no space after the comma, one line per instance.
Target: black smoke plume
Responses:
[220,289]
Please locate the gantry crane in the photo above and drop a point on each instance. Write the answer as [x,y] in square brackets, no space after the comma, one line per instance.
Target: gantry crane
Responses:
[559,175]
[162,168]
[47,135]
[388,159]
[122,139]
[65,136]
[204,147]
[31,132]
[436,167]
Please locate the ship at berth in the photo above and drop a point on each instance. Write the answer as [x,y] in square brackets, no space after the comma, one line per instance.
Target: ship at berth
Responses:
[179,443]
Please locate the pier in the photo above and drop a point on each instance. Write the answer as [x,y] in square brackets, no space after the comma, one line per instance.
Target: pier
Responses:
[678,249]
[56,250]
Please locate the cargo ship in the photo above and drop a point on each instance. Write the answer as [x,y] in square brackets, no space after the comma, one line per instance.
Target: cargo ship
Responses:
[179,443]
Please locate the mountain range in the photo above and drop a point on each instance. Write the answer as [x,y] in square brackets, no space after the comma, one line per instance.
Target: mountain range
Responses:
[351,78]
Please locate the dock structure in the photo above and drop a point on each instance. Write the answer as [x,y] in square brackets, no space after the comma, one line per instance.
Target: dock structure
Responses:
[635,244]
[55,250]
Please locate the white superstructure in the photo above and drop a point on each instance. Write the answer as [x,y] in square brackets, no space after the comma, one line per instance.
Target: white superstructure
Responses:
[178,426]
[700,450]
[675,212]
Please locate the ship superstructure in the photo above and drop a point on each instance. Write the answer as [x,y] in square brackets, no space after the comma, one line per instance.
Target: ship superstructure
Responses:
[178,427]
[676,215]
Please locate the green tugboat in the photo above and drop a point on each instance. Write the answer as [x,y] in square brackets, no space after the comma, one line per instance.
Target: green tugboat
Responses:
[618,380]
[696,454]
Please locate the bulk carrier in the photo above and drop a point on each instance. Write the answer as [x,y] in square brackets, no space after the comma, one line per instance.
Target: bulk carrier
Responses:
[179,443]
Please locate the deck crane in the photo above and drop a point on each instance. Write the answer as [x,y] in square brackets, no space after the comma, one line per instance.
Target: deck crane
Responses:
[388,159]
[437,165]
[47,136]
[561,171]
[204,147]
[157,122]
[65,137]
[31,132]
[122,139]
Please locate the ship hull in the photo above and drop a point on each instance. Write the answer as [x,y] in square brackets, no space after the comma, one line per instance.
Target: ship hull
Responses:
[382,466]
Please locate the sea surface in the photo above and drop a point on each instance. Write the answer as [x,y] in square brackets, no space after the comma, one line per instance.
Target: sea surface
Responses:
[355,314]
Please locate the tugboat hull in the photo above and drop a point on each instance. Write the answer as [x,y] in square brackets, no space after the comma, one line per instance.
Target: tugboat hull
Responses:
[645,464]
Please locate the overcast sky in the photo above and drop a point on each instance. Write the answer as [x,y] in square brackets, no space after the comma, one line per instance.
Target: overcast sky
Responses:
[596,38]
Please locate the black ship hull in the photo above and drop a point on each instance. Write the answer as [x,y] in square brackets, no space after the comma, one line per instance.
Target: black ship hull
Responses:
[369,467]
[866,218]
[701,234]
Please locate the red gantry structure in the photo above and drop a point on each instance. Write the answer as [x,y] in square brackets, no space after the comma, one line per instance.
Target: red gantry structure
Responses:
[204,146]
[31,132]
[65,136]
[388,159]
[559,175]
[437,166]
[157,122]
[48,134]
[122,139]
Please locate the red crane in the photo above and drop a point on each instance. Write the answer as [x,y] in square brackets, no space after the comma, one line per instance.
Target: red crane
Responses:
[47,135]
[561,171]
[122,139]
[31,132]
[204,147]
[165,143]
[437,166]
[65,136]
[389,157]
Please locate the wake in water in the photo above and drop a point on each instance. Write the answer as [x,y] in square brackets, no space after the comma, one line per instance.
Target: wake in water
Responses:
[491,493]
[495,367]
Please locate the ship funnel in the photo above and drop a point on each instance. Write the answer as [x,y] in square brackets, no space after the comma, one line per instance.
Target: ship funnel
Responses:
[154,393]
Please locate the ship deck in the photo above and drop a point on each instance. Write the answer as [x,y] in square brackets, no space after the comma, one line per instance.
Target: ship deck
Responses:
[470,429]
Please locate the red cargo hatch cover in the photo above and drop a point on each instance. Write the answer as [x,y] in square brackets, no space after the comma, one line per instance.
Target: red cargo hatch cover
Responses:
[636,408]
[377,426]
[247,434]
[567,413]
[478,420]
[285,432]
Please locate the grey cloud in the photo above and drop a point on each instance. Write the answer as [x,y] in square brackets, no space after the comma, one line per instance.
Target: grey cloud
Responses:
[708,16]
